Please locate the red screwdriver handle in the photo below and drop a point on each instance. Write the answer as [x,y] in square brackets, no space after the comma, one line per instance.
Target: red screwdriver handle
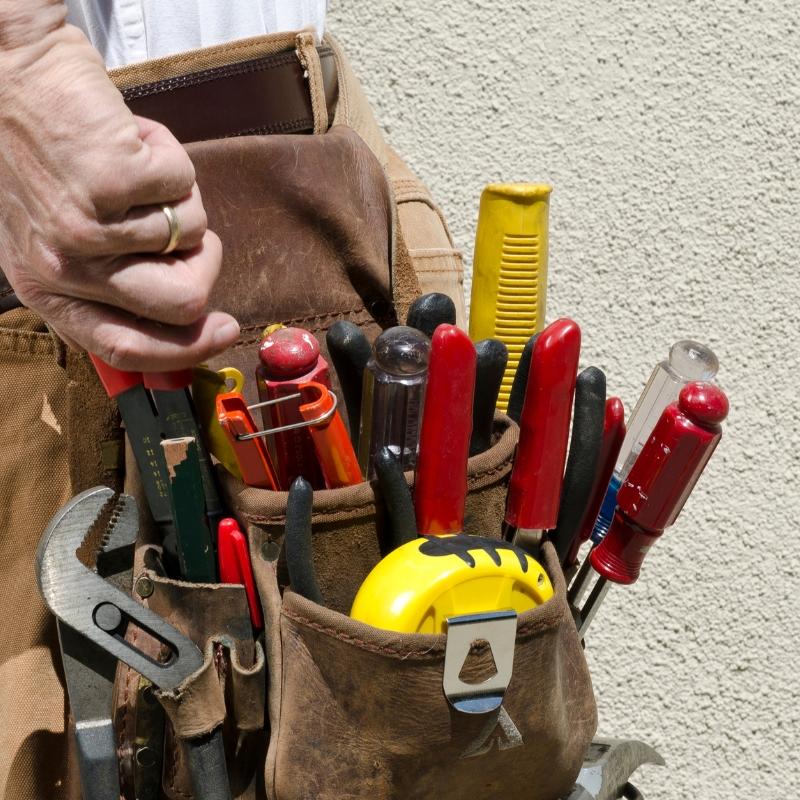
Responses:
[661,479]
[534,490]
[440,487]
[169,381]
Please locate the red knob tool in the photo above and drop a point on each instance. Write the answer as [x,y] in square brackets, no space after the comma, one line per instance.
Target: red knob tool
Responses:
[534,490]
[657,487]
[440,487]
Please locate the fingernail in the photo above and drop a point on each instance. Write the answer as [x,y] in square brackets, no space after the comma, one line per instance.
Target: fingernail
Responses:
[226,335]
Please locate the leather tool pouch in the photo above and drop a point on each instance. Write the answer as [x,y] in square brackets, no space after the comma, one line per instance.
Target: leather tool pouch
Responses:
[308,227]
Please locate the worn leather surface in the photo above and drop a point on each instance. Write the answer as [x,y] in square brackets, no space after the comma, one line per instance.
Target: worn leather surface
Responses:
[363,713]
[259,96]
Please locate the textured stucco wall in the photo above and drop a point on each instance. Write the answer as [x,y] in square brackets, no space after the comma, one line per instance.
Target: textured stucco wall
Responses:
[671,134]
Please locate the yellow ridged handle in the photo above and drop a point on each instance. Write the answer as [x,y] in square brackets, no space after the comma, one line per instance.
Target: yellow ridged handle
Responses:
[509,273]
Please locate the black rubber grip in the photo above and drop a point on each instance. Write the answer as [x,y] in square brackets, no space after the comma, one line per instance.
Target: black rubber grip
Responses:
[297,541]
[430,311]
[349,350]
[397,496]
[517,397]
[588,417]
[489,370]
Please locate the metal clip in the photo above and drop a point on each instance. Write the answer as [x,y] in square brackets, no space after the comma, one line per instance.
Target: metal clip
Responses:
[293,426]
[499,629]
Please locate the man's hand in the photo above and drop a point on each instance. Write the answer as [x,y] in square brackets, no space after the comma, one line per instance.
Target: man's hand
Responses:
[82,182]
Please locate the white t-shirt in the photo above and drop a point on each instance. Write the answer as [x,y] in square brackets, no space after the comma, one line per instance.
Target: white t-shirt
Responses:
[126,31]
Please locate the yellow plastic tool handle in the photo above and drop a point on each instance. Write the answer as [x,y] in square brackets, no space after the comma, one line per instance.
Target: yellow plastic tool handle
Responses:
[422,583]
[206,385]
[509,279]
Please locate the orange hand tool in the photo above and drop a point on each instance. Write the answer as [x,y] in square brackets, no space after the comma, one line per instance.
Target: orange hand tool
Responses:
[328,432]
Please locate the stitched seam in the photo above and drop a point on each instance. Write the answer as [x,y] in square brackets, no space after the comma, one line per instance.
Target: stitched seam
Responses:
[209,75]
[287,126]
[324,322]
[432,653]
[260,64]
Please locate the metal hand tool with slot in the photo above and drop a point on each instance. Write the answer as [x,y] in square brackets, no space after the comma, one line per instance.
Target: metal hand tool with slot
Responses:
[94,611]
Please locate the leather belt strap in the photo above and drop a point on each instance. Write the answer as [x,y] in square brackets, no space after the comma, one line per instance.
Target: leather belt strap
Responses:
[265,95]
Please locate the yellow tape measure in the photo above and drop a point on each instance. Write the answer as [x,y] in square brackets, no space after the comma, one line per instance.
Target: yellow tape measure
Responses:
[422,583]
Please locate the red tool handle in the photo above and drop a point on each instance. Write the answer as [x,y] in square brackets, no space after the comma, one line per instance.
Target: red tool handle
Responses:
[331,440]
[234,565]
[115,381]
[613,436]
[534,491]
[168,381]
[440,488]
[661,479]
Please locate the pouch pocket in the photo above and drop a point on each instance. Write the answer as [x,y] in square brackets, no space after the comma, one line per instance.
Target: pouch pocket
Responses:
[228,690]
[360,712]
[363,712]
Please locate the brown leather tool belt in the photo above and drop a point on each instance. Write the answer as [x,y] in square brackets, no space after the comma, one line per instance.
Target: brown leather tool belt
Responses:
[264,95]
[260,96]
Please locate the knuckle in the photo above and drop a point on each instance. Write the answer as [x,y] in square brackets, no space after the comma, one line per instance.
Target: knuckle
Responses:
[120,350]
[194,302]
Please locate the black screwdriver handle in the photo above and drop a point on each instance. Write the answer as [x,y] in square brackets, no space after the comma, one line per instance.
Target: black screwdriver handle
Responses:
[492,358]
[397,496]
[588,417]
[430,311]
[517,397]
[297,541]
[349,350]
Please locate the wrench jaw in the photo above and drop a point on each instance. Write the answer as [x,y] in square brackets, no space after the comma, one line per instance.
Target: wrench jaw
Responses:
[55,556]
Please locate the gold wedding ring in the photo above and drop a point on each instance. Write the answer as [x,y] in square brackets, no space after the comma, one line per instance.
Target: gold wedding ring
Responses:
[174,229]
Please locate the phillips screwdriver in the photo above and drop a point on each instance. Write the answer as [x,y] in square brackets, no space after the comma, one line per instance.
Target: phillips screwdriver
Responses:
[350,351]
[613,434]
[393,397]
[656,489]
[430,311]
[440,487]
[509,280]
[534,490]
[688,361]
[584,452]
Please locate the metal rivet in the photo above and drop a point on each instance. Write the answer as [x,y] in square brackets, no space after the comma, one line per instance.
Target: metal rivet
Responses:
[145,587]
[145,757]
[107,617]
[270,551]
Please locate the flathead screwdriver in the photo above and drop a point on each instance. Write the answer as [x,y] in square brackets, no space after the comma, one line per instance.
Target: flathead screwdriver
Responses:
[656,488]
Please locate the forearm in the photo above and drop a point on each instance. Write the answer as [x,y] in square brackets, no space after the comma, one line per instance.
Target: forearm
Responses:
[27,23]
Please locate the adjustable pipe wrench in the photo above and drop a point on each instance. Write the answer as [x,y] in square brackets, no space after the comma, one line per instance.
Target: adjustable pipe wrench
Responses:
[94,611]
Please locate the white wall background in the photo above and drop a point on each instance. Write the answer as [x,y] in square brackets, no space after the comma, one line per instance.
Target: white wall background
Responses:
[671,133]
